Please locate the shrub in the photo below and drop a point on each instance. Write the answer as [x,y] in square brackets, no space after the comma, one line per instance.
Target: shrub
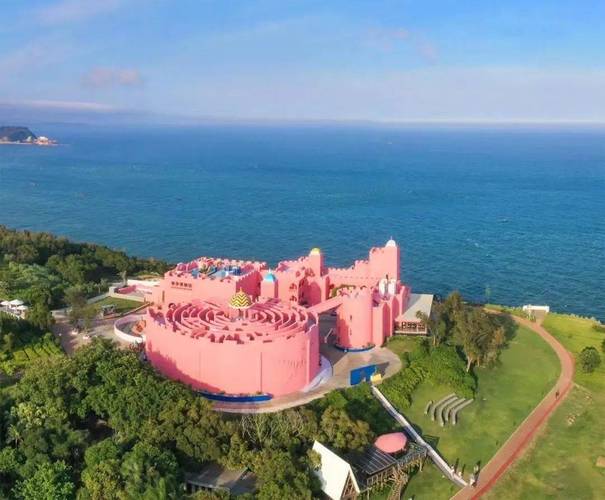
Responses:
[441,365]
[599,327]
[589,359]
[399,388]
[444,366]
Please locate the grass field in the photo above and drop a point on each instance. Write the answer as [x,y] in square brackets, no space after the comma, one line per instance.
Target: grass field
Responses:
[562,462]
[515,311]
[506,394]
[122,305]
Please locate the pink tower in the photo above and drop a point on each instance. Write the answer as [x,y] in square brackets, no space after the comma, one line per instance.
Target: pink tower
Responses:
[316,262]
[385,261]
[268,286]
[354,320]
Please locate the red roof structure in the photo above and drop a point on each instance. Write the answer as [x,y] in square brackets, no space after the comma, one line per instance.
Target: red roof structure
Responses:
[391,443]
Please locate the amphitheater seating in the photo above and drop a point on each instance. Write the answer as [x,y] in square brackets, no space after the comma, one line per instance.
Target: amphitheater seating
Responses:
[437,406]
[446,409]
[428,407]
[459,408]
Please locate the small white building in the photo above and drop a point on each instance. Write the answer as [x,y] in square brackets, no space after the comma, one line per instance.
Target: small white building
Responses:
[14,307]
[335,474]
[533,309]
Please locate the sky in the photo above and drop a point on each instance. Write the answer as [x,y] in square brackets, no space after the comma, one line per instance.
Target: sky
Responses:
[394,61]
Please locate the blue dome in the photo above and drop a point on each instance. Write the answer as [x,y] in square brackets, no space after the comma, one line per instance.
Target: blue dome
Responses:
[270,277]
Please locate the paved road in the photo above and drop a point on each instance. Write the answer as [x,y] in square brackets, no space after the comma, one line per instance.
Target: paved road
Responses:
[517,443]
[70,341]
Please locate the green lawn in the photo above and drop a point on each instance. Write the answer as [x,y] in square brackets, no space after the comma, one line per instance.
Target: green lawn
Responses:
[122,305]
[515,311]
[575,334]
[506,394]
[562,462]
[401,344]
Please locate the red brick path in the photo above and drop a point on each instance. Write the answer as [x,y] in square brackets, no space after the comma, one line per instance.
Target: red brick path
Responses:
[516,444]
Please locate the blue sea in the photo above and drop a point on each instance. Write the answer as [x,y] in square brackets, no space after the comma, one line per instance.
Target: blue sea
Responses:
[509,215]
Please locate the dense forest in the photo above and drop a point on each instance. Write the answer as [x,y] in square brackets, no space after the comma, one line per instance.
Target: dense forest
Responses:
[103,425]
[40,269]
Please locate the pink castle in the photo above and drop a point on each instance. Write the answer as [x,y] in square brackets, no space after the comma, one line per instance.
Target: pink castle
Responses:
[237,327]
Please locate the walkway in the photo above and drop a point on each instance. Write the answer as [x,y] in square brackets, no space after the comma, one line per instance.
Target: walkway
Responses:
[437,459]
[517,443]
[342,364]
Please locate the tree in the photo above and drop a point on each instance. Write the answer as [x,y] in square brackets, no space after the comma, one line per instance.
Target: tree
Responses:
[149,472]
[50,480]
[101,478]
[589,359]
[446,316]
[282,475]
[337,429]
[101,481]
[435,323]
[9,465]
[4,289]
[284,429]
[40,315]
[440,333]
[195,428]
[89,313]
[480,340]
[453,307]
[80,311]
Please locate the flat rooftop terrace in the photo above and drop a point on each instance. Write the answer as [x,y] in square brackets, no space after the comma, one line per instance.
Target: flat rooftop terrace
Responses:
[419,302]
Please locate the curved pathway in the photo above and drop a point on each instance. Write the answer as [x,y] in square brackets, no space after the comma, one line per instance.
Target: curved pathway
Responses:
[516,444]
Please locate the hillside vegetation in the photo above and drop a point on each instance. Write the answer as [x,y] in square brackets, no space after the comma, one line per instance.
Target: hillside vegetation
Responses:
[22,343]
[41,269]
[16,134]
[103,425]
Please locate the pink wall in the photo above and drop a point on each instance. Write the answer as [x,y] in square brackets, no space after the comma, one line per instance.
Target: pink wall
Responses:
[271,348]
[275,348]
[277,367]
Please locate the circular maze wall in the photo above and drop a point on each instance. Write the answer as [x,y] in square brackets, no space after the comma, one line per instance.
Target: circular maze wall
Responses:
[269,348]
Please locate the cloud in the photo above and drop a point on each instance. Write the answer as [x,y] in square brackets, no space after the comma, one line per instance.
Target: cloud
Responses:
[388,39]
[46,104]
[66,11]
[432,93]
[99,78]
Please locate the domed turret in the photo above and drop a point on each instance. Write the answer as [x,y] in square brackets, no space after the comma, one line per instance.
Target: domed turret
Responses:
[315,251]
[270,277]
[391,243]
[241,300]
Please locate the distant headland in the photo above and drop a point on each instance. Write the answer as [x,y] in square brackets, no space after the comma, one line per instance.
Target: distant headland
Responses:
[23,135]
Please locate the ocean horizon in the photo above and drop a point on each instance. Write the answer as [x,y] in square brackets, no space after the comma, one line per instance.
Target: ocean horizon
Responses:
[504,214]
